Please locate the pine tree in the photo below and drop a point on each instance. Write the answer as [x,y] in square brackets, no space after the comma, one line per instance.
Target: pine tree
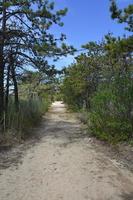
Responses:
[25,35]
[122,15]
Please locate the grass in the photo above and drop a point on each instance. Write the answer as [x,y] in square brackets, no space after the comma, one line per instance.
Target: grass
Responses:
[18,123]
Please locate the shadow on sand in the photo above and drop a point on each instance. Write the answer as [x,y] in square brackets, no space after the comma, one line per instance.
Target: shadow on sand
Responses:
[127,196]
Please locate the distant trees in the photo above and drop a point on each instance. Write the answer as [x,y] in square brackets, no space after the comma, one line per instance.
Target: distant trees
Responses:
[26,40]
[83,77]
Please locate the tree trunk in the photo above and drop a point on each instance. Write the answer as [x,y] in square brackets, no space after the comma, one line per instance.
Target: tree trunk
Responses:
[2,64]
[1,86]
[7,88]
[15,87]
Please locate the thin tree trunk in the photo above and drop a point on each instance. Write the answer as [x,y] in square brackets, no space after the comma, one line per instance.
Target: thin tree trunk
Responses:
[7,88]
[15,87]
[1,86]
[2,65]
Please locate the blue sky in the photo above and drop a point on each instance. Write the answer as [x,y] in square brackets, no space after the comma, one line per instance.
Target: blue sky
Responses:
[87,20]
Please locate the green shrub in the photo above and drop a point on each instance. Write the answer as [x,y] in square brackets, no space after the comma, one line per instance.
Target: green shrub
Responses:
[111,111]
[58,97]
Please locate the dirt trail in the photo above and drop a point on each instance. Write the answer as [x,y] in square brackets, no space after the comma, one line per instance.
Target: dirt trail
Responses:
[65,165]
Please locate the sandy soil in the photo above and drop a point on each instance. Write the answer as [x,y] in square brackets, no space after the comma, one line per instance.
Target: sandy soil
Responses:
[65,165]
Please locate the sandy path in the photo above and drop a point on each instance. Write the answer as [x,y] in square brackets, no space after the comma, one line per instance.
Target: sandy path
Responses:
[64,165]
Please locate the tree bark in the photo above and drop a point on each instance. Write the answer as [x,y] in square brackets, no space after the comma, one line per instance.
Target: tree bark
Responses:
[2,64]
[7,88]
[16,98]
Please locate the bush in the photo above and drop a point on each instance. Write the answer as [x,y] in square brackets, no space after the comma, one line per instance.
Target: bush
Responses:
[58,97]
[111,111]
[83,116]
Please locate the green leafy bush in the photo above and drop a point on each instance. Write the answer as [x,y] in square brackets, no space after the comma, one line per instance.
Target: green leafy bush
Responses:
[111,111]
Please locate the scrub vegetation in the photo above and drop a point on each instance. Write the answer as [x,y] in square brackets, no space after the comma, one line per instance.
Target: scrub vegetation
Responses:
[100,82]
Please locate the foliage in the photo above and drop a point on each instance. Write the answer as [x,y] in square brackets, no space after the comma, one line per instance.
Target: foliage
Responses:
[26,42]
[100,83]
[81,79]
[122,15]
[111,116]
[73,88]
